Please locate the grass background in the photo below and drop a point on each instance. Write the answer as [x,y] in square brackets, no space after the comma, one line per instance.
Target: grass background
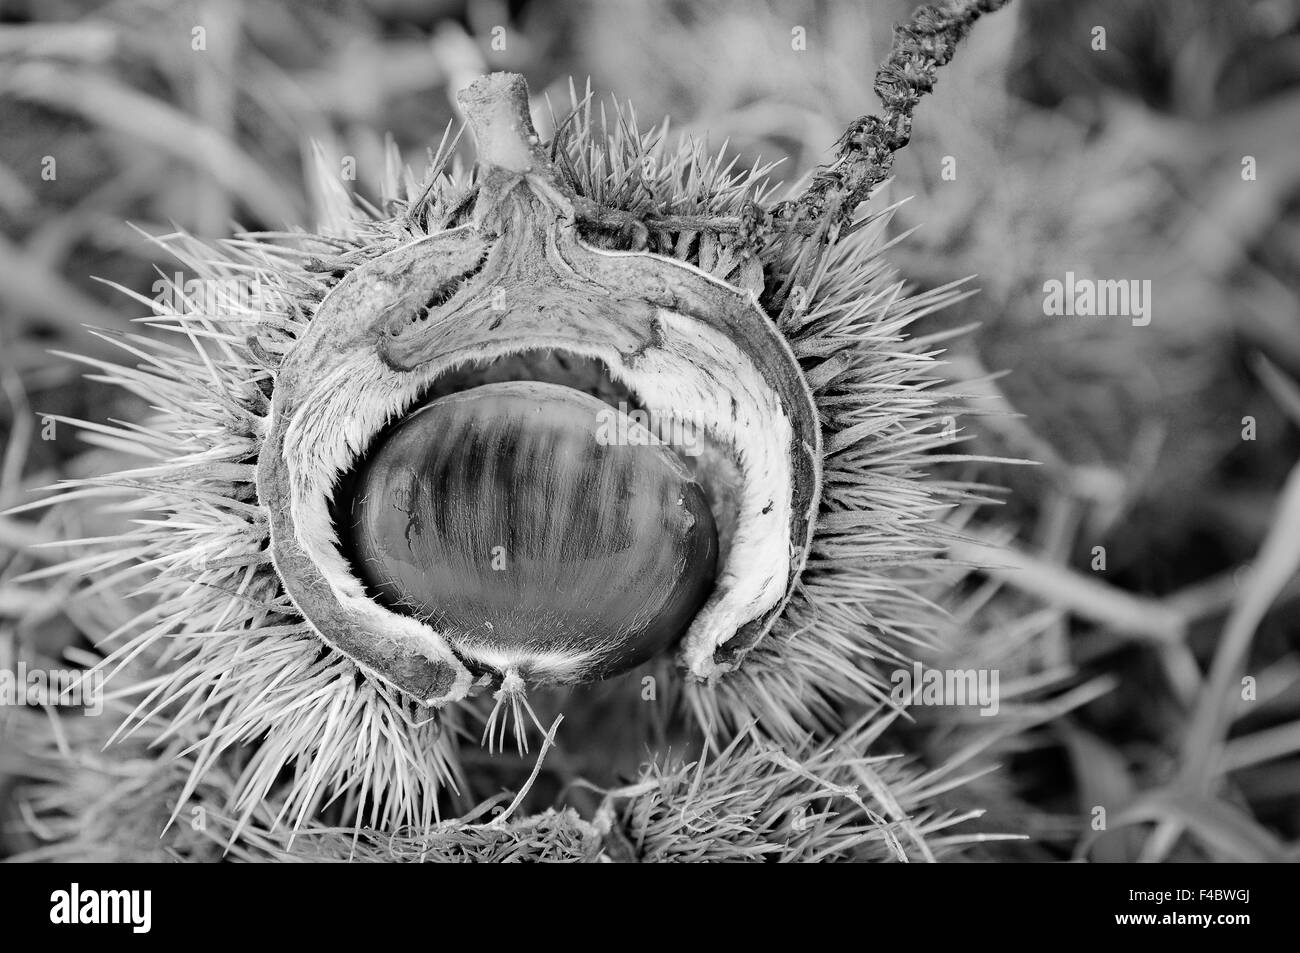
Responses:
[1122,163]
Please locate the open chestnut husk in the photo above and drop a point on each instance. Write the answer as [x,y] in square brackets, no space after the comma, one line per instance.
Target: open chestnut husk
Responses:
[514,296]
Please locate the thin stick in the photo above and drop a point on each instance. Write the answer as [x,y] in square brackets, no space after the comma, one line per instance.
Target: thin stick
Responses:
[547,741]
[866,150]
[1119,611]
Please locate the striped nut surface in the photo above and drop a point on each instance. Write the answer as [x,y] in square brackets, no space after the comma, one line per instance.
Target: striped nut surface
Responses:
[499,516]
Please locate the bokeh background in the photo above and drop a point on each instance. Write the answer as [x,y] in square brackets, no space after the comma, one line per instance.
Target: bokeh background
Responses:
[1167,156]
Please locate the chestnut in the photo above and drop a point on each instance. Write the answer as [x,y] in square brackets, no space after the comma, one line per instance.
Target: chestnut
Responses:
[496,516]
